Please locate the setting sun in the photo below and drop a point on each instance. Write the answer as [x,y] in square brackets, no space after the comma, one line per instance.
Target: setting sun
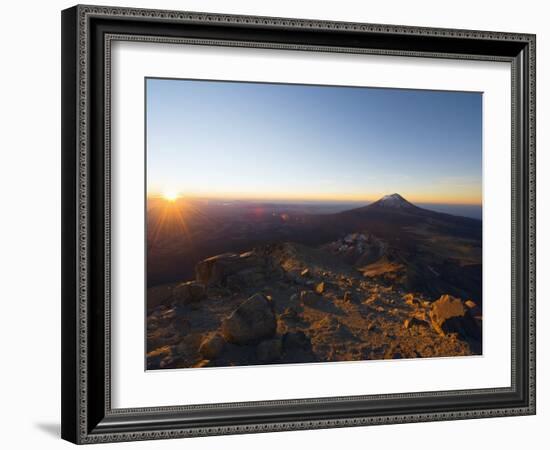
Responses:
[170,196]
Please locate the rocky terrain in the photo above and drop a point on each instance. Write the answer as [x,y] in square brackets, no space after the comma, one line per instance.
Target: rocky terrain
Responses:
[348,299]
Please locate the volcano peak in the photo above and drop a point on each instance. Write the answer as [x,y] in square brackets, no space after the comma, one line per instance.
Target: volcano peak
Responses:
[393,201]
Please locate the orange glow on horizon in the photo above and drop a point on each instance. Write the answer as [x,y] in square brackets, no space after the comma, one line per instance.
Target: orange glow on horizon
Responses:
[322,197]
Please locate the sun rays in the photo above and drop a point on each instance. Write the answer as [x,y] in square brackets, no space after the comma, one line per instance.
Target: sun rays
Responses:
[171,217]
[168,220]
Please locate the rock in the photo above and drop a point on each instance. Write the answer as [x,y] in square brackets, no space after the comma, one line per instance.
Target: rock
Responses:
[305,272]
[473,308]
[245,278]
[189,292]
[410,299]
[443,309]
[296,340]
[212,347]
[269,350]
[449,315]
[348,297]
[212,270]
[216,270]
[470,304]
[320,288]
[252,321]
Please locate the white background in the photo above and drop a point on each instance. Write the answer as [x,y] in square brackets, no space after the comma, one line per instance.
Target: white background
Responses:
[132,387]
[30,234]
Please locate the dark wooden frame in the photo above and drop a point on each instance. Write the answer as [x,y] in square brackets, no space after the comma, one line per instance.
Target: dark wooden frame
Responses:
[87,31]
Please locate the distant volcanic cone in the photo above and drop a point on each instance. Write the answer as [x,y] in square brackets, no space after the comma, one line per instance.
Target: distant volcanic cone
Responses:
[393,201]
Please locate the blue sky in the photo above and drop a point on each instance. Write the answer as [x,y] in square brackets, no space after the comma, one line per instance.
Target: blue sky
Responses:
[279,141]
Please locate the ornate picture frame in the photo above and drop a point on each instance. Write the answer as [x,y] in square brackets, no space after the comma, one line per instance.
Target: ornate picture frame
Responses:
[87,35]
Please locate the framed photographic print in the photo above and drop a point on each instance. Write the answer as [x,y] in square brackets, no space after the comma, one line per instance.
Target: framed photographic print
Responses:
[279,224]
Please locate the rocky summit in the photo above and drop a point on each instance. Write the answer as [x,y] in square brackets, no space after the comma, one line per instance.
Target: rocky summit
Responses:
[355,298]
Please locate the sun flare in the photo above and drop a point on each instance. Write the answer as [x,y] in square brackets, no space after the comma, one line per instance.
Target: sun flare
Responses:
[170,196]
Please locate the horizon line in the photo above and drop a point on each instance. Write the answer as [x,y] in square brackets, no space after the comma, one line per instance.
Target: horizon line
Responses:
[325,199]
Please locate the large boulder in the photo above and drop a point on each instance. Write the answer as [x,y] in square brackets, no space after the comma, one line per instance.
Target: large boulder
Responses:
[445,308]
[189,292]
[246,278]
[217,269]
[449,314]
[253,321]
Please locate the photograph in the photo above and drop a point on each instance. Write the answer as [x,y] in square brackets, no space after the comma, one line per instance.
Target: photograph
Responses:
[292,223]
[276,220]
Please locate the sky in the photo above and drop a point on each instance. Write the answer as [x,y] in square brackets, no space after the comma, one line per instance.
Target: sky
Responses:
[265,141]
